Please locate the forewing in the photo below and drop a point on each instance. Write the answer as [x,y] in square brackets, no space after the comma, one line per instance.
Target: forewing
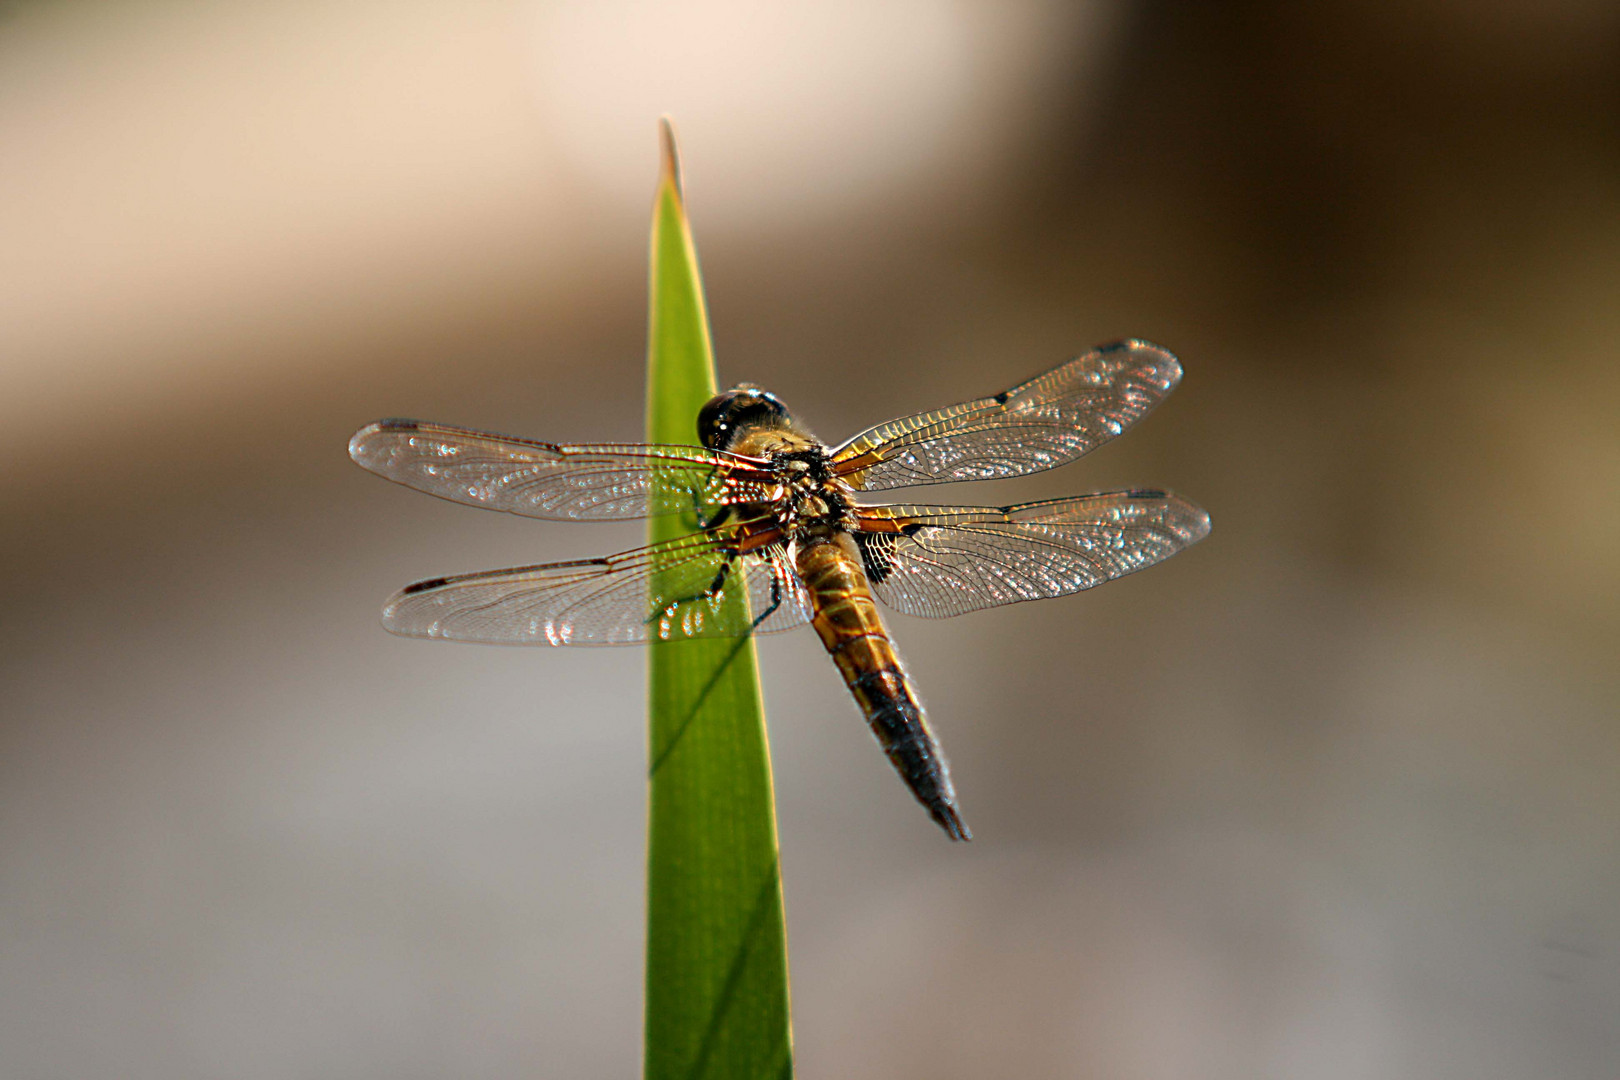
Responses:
[1045,422]
[607,482]
[936,561]
[665,591]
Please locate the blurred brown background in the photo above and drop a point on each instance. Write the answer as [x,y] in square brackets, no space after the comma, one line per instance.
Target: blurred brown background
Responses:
[1333,794]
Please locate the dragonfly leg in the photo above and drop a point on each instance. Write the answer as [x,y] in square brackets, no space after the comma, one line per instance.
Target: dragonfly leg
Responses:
[710,593]
[720,578]
[776,602]
[704,524]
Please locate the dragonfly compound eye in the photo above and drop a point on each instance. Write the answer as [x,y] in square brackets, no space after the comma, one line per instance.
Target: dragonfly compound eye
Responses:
[742,407]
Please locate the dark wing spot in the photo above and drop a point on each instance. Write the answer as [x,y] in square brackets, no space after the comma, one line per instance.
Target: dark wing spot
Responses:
[1146,493]
[424,586]
[875,557]
[1001,398]
[398,423]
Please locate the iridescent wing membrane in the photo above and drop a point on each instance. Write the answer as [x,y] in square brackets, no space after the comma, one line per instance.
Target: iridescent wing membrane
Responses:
[687,587]
[932,561]
[1048,421]
[683,588]
[936,561]
[606,482]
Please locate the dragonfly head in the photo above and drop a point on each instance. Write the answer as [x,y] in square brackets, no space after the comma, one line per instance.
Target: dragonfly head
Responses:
[744,407]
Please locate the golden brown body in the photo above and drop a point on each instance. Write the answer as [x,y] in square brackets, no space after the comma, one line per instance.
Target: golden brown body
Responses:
[847,621]
[816,516]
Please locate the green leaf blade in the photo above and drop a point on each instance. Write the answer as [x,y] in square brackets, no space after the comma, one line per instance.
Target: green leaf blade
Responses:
[717,988]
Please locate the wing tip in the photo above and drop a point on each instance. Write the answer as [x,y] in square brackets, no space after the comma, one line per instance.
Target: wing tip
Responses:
[361,444]
[402,618]
[1165,366]
[391,614]
[1190,519]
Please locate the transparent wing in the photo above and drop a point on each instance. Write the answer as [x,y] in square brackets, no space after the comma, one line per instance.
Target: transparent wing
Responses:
[1047,421]
[683,588]
[936,561]
[570,483]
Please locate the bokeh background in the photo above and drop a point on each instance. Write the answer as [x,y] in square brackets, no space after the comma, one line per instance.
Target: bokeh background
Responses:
[1335,794]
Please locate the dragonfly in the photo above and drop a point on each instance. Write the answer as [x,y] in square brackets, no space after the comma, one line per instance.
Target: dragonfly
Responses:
[779,538]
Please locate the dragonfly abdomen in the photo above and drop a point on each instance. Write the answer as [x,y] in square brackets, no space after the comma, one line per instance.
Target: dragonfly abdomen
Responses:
[848,623]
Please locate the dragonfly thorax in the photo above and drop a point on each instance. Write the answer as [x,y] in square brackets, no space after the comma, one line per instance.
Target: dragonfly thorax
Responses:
[814,500]
[752,422]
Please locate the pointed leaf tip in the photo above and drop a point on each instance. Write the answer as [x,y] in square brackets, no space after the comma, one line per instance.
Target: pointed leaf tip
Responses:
[670,156]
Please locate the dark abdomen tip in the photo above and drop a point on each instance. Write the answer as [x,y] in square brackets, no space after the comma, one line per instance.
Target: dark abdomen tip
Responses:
[951,821]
